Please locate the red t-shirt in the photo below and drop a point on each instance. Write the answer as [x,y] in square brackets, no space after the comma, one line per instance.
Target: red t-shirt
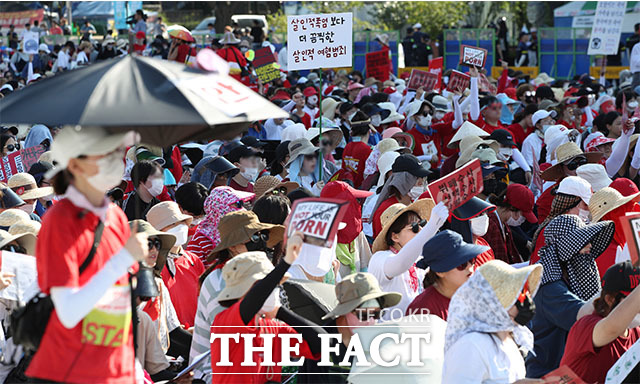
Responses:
[430,300]
[607,258]
[484,256]
[427,142]
[588,362]
[185,50]
[233,184]
[184,286]
[230,321]
[354,159]
[544,203]
[201,246]
[99,349]
[518,133]
[486,126]
[540,242]
[377,224]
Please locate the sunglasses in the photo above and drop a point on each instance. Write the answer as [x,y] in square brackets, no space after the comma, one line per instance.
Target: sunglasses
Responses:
[575,163]
[256,237]
[415,227]
[326,142]
[464,265]
[14,248]
[154,243]
[365,314]
[239,204]
[279,191]
[11,147]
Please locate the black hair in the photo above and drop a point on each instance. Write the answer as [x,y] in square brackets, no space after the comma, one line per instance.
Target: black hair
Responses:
[61,181]
[380,97]
[281,152]
[272,209]
[191,197]
[628,96]
[636,27]
[430,278]
[299,193]
[401,222]
[609,118]
[4,138]
[530,109]
[598,123]
[142,170]
[545,92]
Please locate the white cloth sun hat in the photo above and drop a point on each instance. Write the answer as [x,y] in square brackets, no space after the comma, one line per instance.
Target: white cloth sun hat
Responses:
[576,186]
[596,175]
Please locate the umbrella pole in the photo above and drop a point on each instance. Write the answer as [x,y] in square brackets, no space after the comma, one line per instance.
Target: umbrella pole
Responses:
[320,126]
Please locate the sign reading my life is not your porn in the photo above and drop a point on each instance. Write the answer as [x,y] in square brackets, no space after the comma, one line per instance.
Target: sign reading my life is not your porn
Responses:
[472,56]
[318,218]
[458,187]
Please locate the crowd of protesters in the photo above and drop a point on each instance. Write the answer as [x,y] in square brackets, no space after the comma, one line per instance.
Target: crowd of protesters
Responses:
[536,265]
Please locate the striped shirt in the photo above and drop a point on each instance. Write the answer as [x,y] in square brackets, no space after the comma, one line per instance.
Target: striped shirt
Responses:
[201,246]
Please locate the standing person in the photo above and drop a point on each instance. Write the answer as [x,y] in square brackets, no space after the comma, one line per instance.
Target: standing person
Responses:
[13,37]
[148,179]
[87,30]
[89,163]
[486,325]
[355,154]
[140,26]
[180,51]
[55,28]
[232,55]
[258,35]
[409,47]
[451,262]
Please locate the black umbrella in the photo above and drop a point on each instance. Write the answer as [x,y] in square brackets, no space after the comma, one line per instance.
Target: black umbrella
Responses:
[164,101]
[310,299]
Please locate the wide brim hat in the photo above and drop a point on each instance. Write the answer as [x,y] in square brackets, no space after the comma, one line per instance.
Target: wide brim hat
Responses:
[166,213]
[508,282]
[571,234]
[473,208]
[595,174]
[25,240]
[237,228]
[447,250]
[471,144]
[242,271]
[168,240]
[229,38]
[22,227]
[422,207]
[606,200]
[564,153]
[329,106]
[12,216]
[358,288]
[543,78]
[133,152]
[24,185]
[268,183]
[10,199]
[416,105]
[393,114]
[301,147]
[466,129]
[334,134]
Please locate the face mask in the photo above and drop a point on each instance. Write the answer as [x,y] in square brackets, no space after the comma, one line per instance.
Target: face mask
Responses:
[526,310]
[353,322]
[415,192]
[316,260]
[312,100]
[515,223]
[545,127]
[506,153]
[110,171]
[250,174]
[181,232]
[424,121]
[480,225]
[157,185]
[350,116]
[29,208]
[272,301]
[584,215]
[632,104]
[439,115]
[375,120]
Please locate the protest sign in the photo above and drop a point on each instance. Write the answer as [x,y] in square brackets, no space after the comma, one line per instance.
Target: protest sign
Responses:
[265,65]
[120,14]
[319,41]
[562,375]
[24,284]
[19,162]
[458,187]
[31,41]
[424,79]
[607,27]
[472,56]
[317,218]
[19,19]
[536,178]
[625,364]
[496,71]
[631,229]
[458,80]
[435,67]
[378,65]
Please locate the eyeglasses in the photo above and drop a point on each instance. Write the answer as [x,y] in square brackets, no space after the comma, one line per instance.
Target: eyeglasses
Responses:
[11,147]
[256,237]
[365,314]
[154,243]
[464,265]
[575,163]
[14,248]
[415,227]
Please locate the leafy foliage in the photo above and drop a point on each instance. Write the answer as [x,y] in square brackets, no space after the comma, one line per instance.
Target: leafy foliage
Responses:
[433,15]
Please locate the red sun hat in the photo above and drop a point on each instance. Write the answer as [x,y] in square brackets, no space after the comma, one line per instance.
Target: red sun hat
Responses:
[140,35]
[521,198]
[625,186]
[592,146]
[309,91]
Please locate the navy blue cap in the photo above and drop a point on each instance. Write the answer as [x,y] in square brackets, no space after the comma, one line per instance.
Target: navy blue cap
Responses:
[446,250]
[473,208]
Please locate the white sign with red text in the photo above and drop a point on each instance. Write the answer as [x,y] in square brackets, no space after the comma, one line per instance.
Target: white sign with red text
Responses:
[319,41]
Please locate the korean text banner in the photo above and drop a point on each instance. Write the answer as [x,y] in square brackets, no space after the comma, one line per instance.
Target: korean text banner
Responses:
[19,19]
[458,187]
[607,27]
[319,41]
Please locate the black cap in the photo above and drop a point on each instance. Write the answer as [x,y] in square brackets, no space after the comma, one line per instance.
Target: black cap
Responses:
[219,164]
[39,169]
[9,199]
[344,107]
[13,130]
[503,137]
[409,163]
[371,109]
[622,277]
[473,208]
[252,142]
[240,152]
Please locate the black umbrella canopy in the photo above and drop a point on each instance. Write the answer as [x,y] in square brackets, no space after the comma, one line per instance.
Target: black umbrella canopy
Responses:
[166,102]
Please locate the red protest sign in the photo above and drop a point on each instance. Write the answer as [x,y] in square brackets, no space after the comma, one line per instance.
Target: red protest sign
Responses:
[424,79]
[458,187]
[19,162]
[472,56]
[265,65]
[19,19]
[435,67]
[562,375]
[316,218]
[263,56]
[378,65]
[458,80]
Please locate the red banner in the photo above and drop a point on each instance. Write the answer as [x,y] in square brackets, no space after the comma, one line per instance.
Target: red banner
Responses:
[19,19]
[435,67]
[424,79]
[19,162]
[458,187]
[458,80]
[378,65]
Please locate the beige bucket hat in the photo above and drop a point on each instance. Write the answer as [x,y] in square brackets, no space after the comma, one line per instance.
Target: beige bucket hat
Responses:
[606,200]
[25,186]
[168,241]
[301,147]
[564,153]
[25,240]
[165,214]
[268,183]
[422,207]
[20,228]
[508,282]
[13,216]
[241,272]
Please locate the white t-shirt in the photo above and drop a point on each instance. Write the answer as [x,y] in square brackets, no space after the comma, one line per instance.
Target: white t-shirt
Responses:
[400,283]
[63,60]
[533,141]
[483,358]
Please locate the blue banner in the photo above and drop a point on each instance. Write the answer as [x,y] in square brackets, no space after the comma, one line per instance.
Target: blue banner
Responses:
[120,14]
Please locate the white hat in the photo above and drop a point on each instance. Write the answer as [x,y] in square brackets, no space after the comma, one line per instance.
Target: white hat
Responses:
[416,105]
[466,129]
[541,114]
[229,38]
[393,115]
[44,47]
[417,26]
[555,136]
[292,132]
[74,141]
[596,175]
[576,186]
[385,162]
[441,103]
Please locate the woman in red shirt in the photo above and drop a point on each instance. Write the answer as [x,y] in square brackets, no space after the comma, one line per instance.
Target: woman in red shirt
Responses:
[89,337]
[232,55]
[356,153]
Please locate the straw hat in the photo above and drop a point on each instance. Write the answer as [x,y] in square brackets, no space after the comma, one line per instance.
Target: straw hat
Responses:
[46,157]
[543,78]
[606,200]
[238,227]
[329,106]
[25,186]
[229,38]
[508,282]
[241,272]
[165,214]
[20,228]
[565,153]
[469,145]
[301,147]
[383,38]
[25,240]
[13,216]
[334,134]
[267,183]
[355,289]
[466,129]
[391,145]
[422,207]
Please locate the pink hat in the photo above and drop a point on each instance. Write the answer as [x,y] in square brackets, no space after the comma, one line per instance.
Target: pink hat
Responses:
[397,132]
[353,86]
[592,146]
[389,132]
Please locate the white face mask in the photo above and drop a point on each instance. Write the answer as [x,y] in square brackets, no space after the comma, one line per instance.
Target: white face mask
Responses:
[584,215]
[545,127]
[272,302]
[250,174]
[196,221]
[425,121]
[110,171]
[479,225]
[181,232]
[415,192]
[316,260]
[439,115]
[157,185]
[313,100]
[632,104]
[515,223]
[375,120]
[506,153]
[29,208]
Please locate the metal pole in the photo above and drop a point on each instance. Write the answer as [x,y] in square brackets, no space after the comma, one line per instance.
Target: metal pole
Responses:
[320,126]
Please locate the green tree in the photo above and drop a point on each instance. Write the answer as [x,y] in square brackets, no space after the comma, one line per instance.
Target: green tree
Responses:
[433,15]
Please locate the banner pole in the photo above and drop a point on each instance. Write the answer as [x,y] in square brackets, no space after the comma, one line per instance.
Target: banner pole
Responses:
[320,126]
